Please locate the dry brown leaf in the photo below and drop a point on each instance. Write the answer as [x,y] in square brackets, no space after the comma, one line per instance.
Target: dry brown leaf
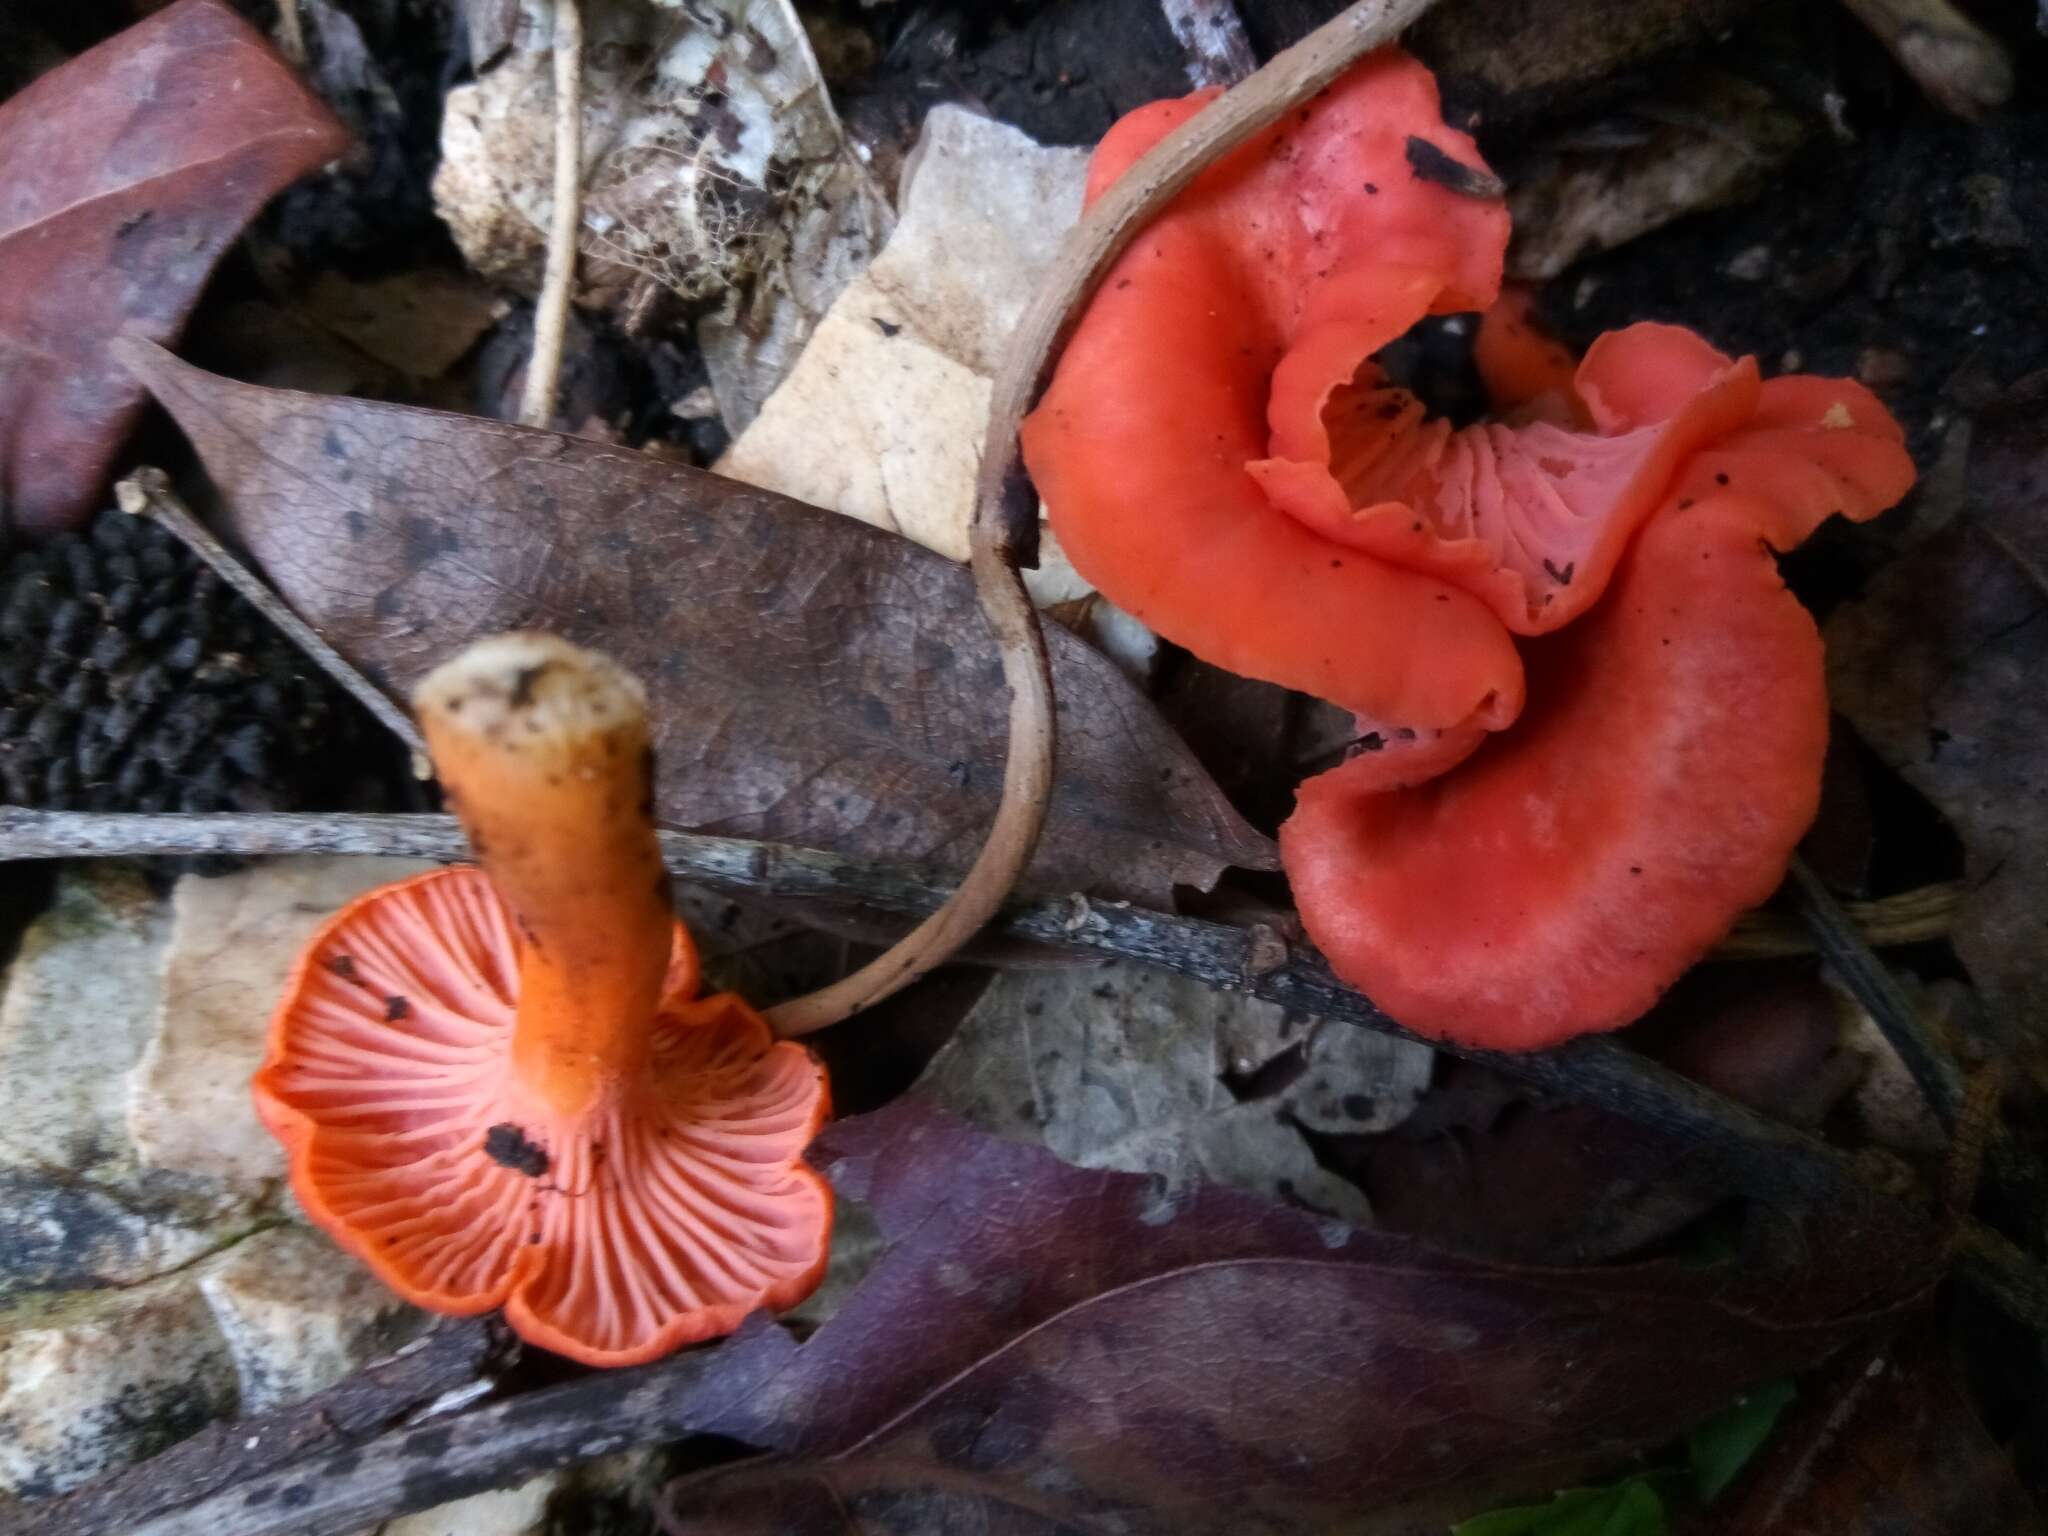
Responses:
[419,323]
[123,176]
[815,681]
[1714,144]
[883,415]
[1939,666]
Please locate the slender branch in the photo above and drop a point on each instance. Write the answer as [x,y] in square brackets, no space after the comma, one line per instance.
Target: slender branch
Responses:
[291,33]
[223,1460]
[565,222]
[1962,68]
[148,493]
[1004,533]
[1934,1072]
[775,871]
[1917,916]
[453,1458]
[1738,1145]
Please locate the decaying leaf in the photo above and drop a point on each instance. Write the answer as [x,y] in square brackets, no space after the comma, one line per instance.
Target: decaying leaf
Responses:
[815,681]
[1512,58]
[1885,1440]
[1046,1349]
[1939,666]
[715,168]
[123,176]
[883,415]
[1127,1068]
[418,323]
[1484,1166]
[1712,144]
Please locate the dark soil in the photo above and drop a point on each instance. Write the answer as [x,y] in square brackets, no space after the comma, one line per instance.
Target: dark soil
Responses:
[1062,72]
[1912,255]
[385,67]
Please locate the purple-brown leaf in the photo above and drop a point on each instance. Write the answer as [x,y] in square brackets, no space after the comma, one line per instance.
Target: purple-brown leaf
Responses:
[1048,1348]
[813,680]
[123,176]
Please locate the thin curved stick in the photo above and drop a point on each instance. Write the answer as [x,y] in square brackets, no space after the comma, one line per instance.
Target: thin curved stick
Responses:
[565,222]
[1005,529]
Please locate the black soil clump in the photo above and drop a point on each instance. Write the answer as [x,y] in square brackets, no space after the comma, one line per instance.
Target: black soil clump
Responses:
[133,679]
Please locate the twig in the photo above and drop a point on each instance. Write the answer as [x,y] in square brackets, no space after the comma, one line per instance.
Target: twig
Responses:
[222,1460]
[565,221]
[148,493]
[1934,1072]
[1961,67]
[773,870]
[453,1458]
[1211,33]
[291,33]
[1738,1145]
[1004,533]
[318,1491]
[1911,917]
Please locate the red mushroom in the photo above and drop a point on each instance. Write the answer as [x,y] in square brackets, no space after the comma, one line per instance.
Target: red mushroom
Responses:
[499,1087]
[1221,455]
[1294,257]
[1224,372]
[1667,764]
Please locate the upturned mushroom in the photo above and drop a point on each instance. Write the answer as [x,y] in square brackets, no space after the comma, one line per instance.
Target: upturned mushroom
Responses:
[499,1087]
[1222,454]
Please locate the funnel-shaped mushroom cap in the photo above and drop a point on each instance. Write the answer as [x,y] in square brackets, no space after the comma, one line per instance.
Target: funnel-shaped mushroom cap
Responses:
[1530,518]
[660,1219]
[1220,455]
[1559,879]
[1568,871]
[1267,281]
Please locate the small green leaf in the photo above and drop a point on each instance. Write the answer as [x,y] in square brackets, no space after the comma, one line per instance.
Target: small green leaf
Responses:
[1723,1445]
[1629,1508]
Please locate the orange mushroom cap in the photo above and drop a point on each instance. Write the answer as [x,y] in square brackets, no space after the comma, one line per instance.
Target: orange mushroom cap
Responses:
[1669,760]
[1218,401]
[1221,455]
[489,1109]
[1278,271]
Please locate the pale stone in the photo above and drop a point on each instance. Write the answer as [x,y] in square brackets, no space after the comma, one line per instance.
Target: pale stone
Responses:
[298,1315]
[1123,1067]
[95,1379]
[80,997]
[60,1232]
[883,415]
[520,1511]
[75,1209]
[233,940]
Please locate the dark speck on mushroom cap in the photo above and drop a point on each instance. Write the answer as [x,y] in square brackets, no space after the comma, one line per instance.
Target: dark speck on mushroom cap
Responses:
[507,1145]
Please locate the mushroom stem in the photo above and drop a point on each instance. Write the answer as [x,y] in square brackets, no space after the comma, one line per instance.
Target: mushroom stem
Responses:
[543,750]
